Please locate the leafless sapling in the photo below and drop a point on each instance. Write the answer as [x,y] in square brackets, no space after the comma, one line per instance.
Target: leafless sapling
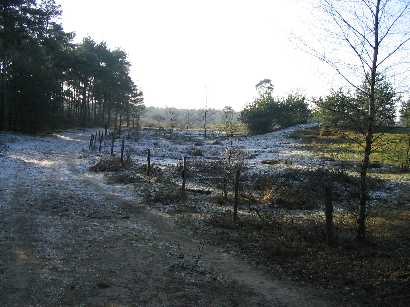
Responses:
[374,34]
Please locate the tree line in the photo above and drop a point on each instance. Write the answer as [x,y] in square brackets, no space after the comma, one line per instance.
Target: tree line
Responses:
[50,82]
[341,109]
[187,118]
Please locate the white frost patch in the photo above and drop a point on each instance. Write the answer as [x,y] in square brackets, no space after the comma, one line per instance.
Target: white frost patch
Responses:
[45,163]
[66,138]
[378,195]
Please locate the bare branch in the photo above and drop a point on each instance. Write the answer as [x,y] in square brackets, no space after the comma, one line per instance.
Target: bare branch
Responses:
[369,7]
[394,22]
[349,138]
[379,145]
[394,51]
[382,9]
[362,60]
[333,11]
[338,70]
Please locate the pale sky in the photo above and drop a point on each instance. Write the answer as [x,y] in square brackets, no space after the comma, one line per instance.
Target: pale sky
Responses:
[178,48]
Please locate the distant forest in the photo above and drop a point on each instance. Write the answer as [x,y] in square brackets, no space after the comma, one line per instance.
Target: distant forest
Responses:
[188,118]
[50,82]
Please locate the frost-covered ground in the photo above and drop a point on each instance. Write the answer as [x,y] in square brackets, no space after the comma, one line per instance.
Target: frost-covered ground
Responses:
[170,150]
[68,238]
[267,154]
[68,153]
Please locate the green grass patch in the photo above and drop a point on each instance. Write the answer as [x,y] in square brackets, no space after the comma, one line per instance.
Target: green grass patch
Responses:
[390,148]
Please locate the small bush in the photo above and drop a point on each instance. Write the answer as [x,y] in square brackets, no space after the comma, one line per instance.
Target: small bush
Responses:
[110,164]
[196,152]
[165,194]
[155,171]
[3,148]
[217,142]
[126,177]
[326,132]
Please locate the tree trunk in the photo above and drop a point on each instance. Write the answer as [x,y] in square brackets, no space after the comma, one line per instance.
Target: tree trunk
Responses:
[361,230]
[183,175]
[128,118]
[205,123]
[2,101]
[94,110]
[120,125]
[361,221]
[84,110]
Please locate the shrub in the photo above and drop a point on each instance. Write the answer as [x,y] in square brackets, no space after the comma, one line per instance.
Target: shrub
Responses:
[267,112]
[196,152]
[341,109]
[110,164]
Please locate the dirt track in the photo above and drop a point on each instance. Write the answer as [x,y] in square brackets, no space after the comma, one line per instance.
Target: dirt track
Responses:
[67,238]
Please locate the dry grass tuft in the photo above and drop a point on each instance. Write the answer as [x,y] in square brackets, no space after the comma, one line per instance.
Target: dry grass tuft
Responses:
[110,164]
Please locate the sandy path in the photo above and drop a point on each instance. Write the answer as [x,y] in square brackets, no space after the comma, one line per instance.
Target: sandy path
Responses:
[67,238]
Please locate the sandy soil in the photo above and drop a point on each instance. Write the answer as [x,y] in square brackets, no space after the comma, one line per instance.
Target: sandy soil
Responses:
[69,239]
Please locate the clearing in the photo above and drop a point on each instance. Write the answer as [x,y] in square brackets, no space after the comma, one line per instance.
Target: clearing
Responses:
[69,238]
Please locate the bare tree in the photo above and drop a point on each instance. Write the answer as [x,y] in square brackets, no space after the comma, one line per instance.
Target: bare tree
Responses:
[187,120]
[205,118]
[264,87]
[172,117]
[375,32]
[228,120]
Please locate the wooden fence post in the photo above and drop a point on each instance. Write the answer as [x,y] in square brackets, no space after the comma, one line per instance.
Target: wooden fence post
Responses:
[149,163]
[101,139]
[119,127]
[225,187]
[91,142]
[183,174]
[235,208]
[329,215]
[95,141]
[122,150]
[112,144]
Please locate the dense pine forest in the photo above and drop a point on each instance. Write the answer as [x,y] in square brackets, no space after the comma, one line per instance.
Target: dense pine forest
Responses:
[49,82]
